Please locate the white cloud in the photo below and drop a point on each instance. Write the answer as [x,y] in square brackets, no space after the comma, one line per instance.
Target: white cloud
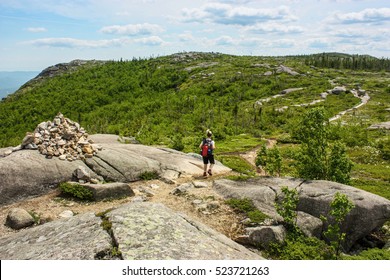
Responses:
[36,29]
[77,43]
[186,37]
[366,16]
[132,29]
[225,40]
[274,28]
[235,15]
[150,41]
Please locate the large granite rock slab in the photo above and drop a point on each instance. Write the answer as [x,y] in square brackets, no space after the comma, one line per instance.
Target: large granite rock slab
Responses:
[370,212]
[140,231]
[146,231]
[27,173]
[126,162]
[78,238]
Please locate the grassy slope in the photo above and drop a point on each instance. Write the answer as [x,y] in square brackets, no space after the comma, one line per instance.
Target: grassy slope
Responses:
[175,98]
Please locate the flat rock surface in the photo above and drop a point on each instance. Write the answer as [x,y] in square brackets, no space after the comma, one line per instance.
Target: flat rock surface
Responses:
[154,232]
[78,238]
[141,230]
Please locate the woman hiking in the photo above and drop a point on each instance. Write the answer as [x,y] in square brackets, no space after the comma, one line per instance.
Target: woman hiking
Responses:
[207,147]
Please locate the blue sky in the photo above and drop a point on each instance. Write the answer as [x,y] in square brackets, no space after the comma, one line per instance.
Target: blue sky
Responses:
[35,34]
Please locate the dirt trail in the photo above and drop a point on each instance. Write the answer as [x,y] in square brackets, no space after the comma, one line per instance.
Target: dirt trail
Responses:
[250,156]
[49,207]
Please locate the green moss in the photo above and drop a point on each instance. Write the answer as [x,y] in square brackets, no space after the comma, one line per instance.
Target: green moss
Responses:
[76,190]
[247,207]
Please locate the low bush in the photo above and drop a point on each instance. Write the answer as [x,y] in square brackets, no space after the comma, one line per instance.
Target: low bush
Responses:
[148,175]
[246,206]
[76,190]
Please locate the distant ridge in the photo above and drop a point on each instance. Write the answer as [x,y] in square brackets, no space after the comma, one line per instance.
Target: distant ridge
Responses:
[10,81]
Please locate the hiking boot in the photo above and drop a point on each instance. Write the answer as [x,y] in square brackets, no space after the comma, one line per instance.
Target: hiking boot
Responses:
[204,174]
[210,172]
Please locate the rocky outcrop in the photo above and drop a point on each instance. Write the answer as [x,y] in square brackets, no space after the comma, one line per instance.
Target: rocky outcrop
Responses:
[370,211]
[383,125]
[77,238]
[27,173]
[338,90]
[285,69]
[139,231]
[153,231]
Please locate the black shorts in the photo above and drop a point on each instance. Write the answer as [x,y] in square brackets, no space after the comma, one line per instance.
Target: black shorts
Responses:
[209,158]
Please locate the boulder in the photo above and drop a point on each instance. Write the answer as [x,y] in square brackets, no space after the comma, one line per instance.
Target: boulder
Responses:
[66,214]
[200,184]
[150,231]
[109,190]
[169,176]
[339,90]
[18,218]
[265,235]
[181,189]
[77,238]
[311,226]
[285,69]
[82,173]
[370,212]
[27,173]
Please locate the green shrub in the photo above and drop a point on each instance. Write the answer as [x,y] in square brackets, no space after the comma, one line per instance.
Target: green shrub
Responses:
[370,254]
[177,143]
[247,207]
[339,208]
[237,164]
[300,248]
[148,175]
[76,190]
[287,207]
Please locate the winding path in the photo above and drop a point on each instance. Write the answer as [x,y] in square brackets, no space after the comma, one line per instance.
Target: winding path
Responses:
[364,99]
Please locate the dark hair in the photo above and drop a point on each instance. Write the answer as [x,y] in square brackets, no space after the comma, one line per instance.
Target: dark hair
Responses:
[209,133]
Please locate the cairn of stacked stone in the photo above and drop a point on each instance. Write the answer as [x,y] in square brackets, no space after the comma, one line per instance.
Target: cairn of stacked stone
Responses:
[62,138]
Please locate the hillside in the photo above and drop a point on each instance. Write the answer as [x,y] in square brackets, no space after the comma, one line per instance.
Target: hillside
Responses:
[250,104]
[181,95]
[244,100]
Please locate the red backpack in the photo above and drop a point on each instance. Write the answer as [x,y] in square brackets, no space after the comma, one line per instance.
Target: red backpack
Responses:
[206,148]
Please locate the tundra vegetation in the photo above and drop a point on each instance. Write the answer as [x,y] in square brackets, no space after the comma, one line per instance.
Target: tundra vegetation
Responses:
[172,100]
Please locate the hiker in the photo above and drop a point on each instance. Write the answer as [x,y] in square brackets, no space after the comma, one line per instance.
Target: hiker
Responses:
[207,147]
